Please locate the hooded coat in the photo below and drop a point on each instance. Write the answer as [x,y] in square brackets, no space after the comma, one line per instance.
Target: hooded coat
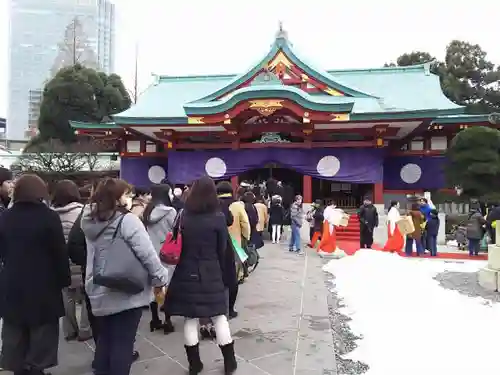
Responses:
[160,223]
[68,215]
[106,301]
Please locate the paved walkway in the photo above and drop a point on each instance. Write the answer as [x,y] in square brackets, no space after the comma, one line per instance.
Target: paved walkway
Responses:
[283,327]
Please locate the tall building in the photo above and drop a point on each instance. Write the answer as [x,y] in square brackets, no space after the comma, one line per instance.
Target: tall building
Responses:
[46,36]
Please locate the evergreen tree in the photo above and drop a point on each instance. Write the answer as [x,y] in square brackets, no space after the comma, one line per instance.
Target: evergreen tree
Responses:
[78,93]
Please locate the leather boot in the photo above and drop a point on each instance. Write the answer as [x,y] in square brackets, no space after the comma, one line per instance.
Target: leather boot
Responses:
[230,363]
[194,360]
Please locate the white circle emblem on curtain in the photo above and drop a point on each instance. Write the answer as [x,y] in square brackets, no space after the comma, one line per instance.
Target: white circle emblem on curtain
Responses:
[215,167]
[156,174]
[328,166]
[411,173]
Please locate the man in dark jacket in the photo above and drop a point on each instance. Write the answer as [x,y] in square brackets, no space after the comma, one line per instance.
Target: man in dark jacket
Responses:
[6,186]
[368,221]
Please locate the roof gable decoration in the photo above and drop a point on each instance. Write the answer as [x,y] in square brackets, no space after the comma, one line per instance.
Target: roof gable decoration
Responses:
[283,62]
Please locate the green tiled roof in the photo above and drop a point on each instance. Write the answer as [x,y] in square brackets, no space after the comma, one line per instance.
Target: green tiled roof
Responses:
[376,93]
[464,119]
[91,125]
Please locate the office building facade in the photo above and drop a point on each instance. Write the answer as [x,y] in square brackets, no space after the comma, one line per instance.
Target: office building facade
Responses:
[40,33]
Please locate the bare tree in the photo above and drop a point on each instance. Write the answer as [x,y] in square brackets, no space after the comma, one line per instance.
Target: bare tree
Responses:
[75,49]
[55,157]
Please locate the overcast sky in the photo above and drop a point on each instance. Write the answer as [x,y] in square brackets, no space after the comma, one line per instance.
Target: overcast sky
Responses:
[228,36]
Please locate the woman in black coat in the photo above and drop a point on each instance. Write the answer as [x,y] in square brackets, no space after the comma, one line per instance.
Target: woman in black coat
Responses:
[276,218]
[253,217]
[35,270]
[198,286]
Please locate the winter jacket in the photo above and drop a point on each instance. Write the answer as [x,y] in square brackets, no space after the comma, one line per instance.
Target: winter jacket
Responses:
[197,288]
[36,265]
[229,270]
[426,211]
[475,224]
[160,223]
[241,226]
[296,214]
[106,301]
[432,226]
[276,214]
[418,219]
[318,219]
[368,216]
[263,216]
[68,215]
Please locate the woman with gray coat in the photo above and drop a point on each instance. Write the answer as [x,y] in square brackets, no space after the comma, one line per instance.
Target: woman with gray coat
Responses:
[117,313]
[66,202]
[159,217]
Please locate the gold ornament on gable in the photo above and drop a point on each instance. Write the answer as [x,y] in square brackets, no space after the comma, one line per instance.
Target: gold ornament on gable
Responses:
[266,107]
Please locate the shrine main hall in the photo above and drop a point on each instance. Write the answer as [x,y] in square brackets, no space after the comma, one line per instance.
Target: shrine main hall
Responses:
[331,133]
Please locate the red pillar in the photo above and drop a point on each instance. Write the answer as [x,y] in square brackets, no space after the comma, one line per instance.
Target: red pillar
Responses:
[307,193]
[378,193]
[234,183]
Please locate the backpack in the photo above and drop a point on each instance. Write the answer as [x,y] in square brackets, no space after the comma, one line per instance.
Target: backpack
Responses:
[171,249]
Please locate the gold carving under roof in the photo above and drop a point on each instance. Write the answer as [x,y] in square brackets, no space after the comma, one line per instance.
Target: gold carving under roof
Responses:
[280,58]
[339,117]
[304,77]
[333,92]
[195,120]
[266,107]
[227,121]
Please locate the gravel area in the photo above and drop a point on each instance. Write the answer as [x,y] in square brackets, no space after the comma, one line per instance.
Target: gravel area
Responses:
[465,283]
[343,339]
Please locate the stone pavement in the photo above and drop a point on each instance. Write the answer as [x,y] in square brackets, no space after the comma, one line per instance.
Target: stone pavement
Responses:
[283,327]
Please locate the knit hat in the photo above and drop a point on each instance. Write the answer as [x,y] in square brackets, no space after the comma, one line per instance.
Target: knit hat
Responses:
[5,175]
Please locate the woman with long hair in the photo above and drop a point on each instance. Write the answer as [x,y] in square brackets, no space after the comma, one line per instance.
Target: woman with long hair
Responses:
[117,313]
[395,240]
[198,288]
[34,273]
[66,202]
[159,217]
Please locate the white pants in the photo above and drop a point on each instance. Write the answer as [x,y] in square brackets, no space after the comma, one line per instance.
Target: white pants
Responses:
[222,331]
[276,234]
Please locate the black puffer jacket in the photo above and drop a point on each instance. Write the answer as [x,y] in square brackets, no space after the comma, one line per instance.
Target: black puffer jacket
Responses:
[197,288]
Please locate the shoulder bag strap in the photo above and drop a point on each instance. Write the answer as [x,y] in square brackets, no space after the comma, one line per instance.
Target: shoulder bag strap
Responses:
[119,225]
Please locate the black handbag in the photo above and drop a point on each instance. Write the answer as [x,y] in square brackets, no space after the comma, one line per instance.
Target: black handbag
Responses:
[117,267]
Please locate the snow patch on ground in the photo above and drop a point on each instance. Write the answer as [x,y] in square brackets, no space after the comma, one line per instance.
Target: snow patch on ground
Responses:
[409,324]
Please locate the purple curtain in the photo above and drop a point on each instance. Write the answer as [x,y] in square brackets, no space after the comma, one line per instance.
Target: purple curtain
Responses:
[343,165]
[414,172]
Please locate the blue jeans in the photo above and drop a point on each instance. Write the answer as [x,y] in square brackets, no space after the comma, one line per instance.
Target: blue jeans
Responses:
[114,347]
[295,238]
[432,244]
[409,246]
[474,246]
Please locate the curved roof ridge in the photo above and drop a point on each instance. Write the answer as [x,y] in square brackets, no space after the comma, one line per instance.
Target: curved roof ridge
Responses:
[197,77]
[281,43]
[386,69]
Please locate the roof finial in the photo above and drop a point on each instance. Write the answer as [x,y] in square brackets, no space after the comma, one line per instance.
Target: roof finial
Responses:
[281,34]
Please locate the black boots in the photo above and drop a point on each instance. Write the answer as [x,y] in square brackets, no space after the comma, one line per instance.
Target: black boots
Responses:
[194,360]
[230,363]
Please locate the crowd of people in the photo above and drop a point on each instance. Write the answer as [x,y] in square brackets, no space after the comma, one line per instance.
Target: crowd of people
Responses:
[56,252]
